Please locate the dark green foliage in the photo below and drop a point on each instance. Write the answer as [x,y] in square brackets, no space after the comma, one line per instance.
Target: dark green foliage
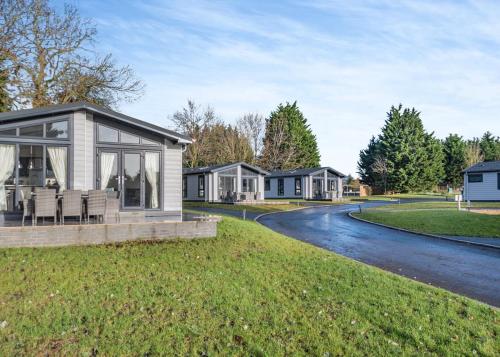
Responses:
[404,158]
[490,147]
[366,163]
[454,148]
[289,141]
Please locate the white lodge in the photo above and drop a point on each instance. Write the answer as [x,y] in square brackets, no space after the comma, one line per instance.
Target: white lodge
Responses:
[319,183]
[482,182]
[229,183]
[83,146]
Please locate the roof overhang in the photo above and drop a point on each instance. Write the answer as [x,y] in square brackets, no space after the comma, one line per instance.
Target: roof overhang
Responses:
[78,106]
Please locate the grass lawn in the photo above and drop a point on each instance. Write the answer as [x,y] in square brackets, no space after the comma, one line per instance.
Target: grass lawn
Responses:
[247,292]
[249,208]
[431,219]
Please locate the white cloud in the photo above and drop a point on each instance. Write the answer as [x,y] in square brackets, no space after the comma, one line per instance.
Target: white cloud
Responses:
[345,62]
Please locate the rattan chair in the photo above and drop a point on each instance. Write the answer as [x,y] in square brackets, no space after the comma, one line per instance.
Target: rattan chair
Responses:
[96,205]
[27,210]
[112,206]
[45,205]
[71,204]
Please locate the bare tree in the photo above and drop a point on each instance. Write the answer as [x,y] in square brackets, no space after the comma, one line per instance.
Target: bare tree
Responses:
[278,147]
[473,153]
[51,60]
[252,126]
[194,122]
[379,166]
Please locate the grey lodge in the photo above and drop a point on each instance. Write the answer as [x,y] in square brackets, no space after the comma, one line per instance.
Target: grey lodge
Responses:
[81,146]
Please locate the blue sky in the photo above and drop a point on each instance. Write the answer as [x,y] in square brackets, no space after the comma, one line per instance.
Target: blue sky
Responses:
[345,62]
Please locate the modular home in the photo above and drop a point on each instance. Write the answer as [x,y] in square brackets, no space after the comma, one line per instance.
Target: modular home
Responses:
[319,183]
[81,146]
[230,183]
[482,182]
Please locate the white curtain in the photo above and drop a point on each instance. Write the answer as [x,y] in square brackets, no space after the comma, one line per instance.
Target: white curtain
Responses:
[107,162]
[152,166]
[59,159]
[7,164]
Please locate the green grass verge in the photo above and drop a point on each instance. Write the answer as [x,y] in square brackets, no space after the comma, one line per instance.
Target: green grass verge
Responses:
[249,208]
[247,292]
[436,221]
[435,205]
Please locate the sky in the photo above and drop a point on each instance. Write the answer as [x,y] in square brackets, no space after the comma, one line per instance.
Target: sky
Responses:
[344,62]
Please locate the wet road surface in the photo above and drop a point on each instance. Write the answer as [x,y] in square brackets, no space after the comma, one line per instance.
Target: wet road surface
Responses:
[468,270]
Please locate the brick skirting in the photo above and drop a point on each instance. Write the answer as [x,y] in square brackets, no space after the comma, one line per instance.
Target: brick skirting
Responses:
[53,236]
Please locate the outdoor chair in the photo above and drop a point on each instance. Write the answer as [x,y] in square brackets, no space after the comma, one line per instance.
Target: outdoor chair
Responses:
[113,205]
[96,205]
[27,209]
[45,205]
[71,205]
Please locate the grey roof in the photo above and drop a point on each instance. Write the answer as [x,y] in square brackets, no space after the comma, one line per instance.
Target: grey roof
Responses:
[71,107]
[216,168]
[304,172]
[486,166]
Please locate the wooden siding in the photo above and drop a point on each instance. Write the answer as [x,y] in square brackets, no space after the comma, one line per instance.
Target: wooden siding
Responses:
[483,191]
[289,188]
[83,152]
[172,176]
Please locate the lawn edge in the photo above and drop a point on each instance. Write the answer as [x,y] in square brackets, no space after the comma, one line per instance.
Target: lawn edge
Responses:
[430,235]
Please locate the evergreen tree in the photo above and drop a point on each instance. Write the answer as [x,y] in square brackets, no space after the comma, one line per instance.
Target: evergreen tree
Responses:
[404,158]
[490,147]
[403,143]
[433,169]
[289,142]
[454,159]
[366,161]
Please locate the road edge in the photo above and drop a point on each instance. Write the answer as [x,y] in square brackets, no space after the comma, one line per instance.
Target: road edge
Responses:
[435,236]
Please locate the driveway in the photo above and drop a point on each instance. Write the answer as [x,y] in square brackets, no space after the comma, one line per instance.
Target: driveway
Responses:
[468,270]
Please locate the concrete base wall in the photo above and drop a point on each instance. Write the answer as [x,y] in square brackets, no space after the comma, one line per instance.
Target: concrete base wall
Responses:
[53,236]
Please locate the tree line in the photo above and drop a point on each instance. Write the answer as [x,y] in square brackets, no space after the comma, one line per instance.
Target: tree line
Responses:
[404,157]
[283,140]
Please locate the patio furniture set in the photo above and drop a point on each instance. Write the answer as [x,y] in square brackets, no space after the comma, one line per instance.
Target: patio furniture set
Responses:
[46,203]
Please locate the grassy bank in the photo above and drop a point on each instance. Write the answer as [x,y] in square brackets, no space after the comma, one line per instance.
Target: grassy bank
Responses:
[426,218]
[249,208]
[248,291]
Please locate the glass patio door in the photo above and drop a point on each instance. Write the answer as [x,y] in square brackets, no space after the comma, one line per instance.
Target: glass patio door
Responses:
[132,192]
[135,174]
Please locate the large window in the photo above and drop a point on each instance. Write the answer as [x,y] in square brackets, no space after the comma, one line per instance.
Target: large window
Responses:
[50,130]
[31,165]
[9,132]
[43,166]
[201,186]
[106,134]
[34,131]
[281,187]
[267,184]
[57,130]
[298,186]
[473,178]
[248,184]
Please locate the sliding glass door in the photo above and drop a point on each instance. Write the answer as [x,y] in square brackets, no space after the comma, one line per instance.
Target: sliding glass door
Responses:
[132,180]
[135,174]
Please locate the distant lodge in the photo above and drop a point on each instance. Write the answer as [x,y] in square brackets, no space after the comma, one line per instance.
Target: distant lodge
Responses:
[241,182]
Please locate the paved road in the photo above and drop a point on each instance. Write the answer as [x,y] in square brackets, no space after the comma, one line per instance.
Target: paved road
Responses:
[464,269]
